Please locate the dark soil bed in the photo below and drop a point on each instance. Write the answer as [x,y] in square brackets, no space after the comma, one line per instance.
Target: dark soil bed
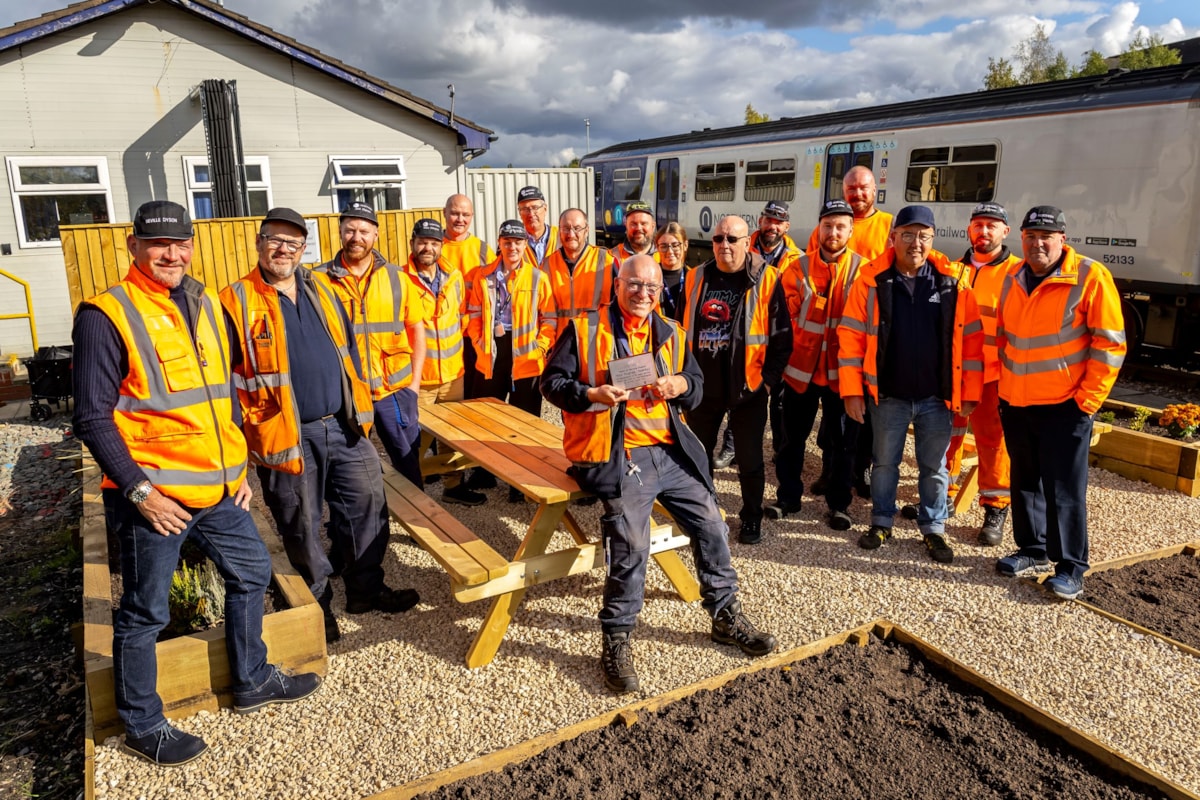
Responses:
[876,722]
[1159,595]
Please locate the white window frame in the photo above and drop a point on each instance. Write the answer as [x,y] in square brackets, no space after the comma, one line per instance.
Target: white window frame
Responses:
[18,188]
[384,180]
[189,176]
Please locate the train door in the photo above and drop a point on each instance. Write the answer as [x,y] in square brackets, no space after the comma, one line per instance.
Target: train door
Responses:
[840,158]
[666,191]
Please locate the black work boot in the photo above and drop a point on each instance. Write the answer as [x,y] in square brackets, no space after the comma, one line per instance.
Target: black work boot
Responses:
[726,456]
[332,631]
[730,626]
[992,532]
[617,662]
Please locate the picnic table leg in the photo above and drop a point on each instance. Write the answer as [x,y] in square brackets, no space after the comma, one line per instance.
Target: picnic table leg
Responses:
[967,491]
[685,585]
[495,624]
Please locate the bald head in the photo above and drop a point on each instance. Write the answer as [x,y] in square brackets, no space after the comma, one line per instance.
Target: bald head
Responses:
[459,212]
[638,284]
[858,189]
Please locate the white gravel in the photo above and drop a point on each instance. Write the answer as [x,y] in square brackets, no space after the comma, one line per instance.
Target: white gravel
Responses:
[399,703]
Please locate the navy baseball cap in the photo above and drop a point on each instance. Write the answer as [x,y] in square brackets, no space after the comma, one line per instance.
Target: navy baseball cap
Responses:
[512,229]
[835,208]
[357,210]
[991,210]
[290,216]
[1044,218]
[427,228]
[530,193]
[914,215]
[162,219]
[776,209]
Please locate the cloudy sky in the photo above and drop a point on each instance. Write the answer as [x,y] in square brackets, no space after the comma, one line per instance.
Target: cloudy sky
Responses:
[534,70]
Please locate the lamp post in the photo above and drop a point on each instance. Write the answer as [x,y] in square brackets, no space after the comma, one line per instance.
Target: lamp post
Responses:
[587,126]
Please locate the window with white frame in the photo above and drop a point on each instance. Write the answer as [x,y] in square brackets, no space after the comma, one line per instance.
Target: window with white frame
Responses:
[199,185]
[375,180]
[48,191]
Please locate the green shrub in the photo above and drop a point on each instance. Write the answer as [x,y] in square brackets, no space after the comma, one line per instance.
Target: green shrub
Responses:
[197,598]
[1107,416]
[1141,415]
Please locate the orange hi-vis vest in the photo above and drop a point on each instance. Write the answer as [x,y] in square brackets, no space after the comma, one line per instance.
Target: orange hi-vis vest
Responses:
[789,254]
[587,288]
[587,436]
[756,315]
[621,252]
[858,335]
[174,410]
[869,238]
[270,418]
[444,322]
[816,294]
[466,256]
[530,256]
[1064,341]
[987,281]
[533,322]
[379,306]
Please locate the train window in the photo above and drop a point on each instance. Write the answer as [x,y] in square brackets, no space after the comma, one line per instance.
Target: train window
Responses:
[954,174]
[840,158]
[771,180]
[627,184]
[715,181]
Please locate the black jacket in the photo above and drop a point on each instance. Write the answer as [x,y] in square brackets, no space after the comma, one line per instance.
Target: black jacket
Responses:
[560,385]
[947,287]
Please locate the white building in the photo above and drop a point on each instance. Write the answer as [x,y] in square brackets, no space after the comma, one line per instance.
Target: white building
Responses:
[102,112]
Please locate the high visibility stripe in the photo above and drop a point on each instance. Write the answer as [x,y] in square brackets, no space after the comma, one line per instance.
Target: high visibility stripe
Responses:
[987,311]
[850,362]
[148,354]
[872,325]
[988,339]
[854,324]
[1116,337]
[792,372]
[274,380]
[756,338]
[652,424]
[972,365]
[995,493]
[282,457]
[956,431]
[1106,357]
[1064,336]
[1048,365]
[180,477]
[974,326]
[433,351]
[523,330]
[404,373]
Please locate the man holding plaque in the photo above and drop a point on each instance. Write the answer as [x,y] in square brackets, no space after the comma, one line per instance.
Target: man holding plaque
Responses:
[622,375]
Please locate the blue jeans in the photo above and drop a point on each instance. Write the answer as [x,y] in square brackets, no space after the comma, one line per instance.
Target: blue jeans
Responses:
[228,536]
[341,468]
[399,431]
[932,422]
[665,476]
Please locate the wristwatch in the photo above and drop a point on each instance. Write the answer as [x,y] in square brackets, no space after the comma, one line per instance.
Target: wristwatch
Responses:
[138,493]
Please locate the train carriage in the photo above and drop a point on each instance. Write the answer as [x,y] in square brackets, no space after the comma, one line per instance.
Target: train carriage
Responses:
[1120,153]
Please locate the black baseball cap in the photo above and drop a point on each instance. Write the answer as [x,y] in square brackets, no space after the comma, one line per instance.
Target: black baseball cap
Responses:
[776,209]
[512,229]
[290,216]
[358,210]
[991,210]
[833,208]
[1044,218]
[427,228]
[530,193]
[162,219]
[638,207]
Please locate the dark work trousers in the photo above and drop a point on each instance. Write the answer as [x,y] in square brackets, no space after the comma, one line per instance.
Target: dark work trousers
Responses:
[777,418]
[864,447]
[342,468]
[665,475]
[470,374]
[1049,446]
[399,431]
[840,440]
[522,393]
[748,420]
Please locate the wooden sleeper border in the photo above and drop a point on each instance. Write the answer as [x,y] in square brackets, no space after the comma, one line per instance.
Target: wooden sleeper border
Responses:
[628,715]
[193,671]
[1145,457]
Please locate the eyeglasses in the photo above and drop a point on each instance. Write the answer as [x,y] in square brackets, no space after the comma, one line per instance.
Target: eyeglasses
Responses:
[577,229]
[721,238]
[637,287]
[675,246]
[287,245]
[525,211]
[908,237]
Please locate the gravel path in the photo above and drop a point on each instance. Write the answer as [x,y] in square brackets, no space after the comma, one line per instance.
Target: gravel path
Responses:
[399,704]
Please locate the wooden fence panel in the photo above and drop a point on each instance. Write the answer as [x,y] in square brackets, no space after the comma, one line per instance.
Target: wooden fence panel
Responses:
[95,256]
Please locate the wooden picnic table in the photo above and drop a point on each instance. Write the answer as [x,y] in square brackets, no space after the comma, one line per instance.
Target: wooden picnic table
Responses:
[525,452]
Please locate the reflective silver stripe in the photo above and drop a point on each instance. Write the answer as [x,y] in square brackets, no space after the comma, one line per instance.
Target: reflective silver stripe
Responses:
[756,338]
[995,493]
[871,380]
[483,259]
[567,313]
[850,362]
[292,453]
[972,365]
[377,383]
[1046,340]
[148,355]
[274,380]
[802,287]
[988,339]
[693,300]
[974,326]
[1106,357]
[872,325]
[813,327]
[1048,365]
[397,282]
[523,330]
[647,424]
[792,372]
[180,477]
[450,330]
[601,263]
[956,431]
[447,352]
[378,327]
[592,331]
[248,355]
[1116,337]
[171,401]
[987,311]
[525,349]
[749,311]
[854,324]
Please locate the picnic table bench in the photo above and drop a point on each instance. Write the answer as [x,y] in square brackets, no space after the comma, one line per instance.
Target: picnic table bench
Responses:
[526,453]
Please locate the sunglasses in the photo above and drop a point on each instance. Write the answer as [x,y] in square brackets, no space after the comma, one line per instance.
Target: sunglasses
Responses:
[721,238]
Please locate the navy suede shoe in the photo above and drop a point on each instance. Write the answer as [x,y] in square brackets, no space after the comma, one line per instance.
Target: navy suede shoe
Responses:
[167,746]
[279,688]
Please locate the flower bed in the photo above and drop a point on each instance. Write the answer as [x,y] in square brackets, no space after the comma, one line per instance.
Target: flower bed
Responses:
[1159,460]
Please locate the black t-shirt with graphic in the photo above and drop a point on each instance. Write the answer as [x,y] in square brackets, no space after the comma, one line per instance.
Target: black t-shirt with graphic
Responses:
[720,304]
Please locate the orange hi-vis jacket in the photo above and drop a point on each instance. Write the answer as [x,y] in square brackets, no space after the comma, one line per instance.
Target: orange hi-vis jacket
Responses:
[789,254]
[859,334]
[174,410]
[588,436]
[530,256]
[986,282]
[379,306]
[816,294]
[869,238]
[270,418]
[533,321]
[466,256]
[445,319]
[621,252]
[587,288]
[1064,341]
[756,313]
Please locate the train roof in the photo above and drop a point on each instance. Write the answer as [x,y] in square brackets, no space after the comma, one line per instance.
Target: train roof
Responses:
[1117,88]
